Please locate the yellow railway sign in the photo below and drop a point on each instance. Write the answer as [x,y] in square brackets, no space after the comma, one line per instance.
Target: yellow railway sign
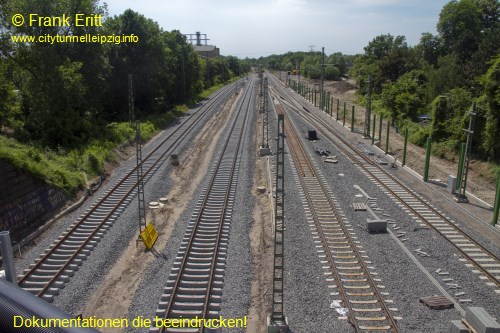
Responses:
[149,236]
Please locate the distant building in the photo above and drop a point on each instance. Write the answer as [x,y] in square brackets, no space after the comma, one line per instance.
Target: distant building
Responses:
[204,50]
[207,51]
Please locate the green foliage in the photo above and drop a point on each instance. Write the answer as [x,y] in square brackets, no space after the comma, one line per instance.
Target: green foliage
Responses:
[337,64]
[430,48]
[446,76]
[442,75]
[440,112]
[459,25]
[405,97]
[469,30]
[332,73]
[73,97]
[44,164]
[9,110]
[417,133]
[386,58]
[491,97]
[119,132]
[60,85]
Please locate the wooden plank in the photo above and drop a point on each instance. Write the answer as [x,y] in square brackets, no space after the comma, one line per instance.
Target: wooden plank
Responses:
[437,302]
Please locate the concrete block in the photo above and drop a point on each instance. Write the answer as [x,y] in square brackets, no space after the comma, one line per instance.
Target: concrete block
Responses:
[452,183]
[264,151]
[312,135]
[377,225]
[277,327]
[481,321]
[458,327]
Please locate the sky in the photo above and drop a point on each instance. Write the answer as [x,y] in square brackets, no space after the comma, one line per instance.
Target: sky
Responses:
[255,28]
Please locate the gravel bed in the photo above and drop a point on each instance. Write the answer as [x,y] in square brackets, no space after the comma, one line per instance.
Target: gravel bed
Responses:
[78,290]
[236,295]
[401,277]
[307,297]
[145,300]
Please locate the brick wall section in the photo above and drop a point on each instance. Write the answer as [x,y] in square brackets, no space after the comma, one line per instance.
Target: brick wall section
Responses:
[25,201]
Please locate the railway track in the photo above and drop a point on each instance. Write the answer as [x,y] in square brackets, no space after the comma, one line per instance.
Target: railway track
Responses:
[476,256]
[194,287]
[346,265]
[65,255]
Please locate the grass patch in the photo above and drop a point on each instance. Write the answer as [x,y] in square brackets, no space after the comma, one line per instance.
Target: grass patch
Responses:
[53,168]
[65,169]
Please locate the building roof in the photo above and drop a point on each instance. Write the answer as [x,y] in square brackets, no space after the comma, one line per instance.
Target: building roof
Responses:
[204,48]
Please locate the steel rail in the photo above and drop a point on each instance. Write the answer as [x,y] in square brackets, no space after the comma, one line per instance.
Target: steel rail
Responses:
[356,155]
[196,118]
[300,156]
[229,188]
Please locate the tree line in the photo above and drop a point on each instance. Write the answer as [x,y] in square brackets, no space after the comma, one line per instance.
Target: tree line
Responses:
[440,77]
[62,94]
[309,63]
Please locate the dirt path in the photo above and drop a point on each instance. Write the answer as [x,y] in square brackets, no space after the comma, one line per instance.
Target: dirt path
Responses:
[261,238]
[345,91]
[113,297]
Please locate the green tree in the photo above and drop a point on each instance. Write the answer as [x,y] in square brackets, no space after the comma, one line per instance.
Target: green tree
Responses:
[145,60]
[7,97]
[470,30]
[43,70]
[460,25]
[491,84]
[405,97]
[386,58]
[430,47]
[332,73]
[449,116]
[439,115]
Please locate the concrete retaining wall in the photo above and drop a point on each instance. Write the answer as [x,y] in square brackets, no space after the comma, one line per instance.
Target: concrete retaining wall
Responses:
[25,201]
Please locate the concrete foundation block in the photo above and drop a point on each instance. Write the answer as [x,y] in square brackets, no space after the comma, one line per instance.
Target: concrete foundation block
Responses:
[264,151]
[481,321]
[458,327]
[277,327]
[452,183]
[378,225]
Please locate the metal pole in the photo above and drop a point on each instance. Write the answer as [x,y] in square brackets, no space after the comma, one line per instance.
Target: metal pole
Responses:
[139,173]
[265,115]
[404,147]
[368,108]
[277,315]
[322,86]
[343,119]
[131,116]
[470,132]
[331,106]
[8,257]
[328,102]
[374,120]
[380,129]
[352,118]
[338,108]
[496,206]
[427,159]
[387,138]
[460,171]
